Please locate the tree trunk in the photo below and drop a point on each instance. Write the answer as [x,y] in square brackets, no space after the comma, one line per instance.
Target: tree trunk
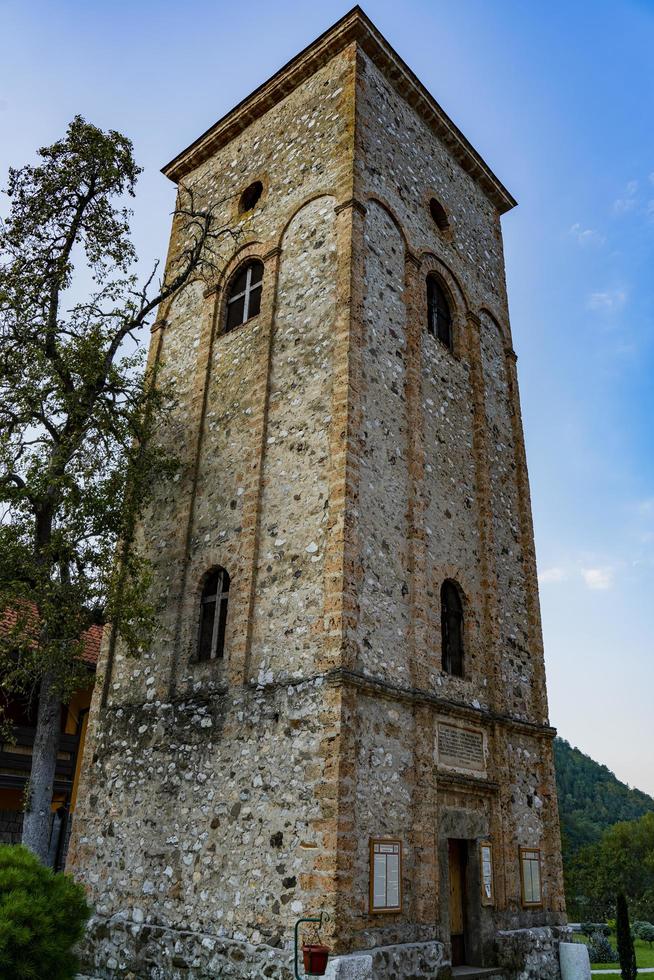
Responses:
[37,817]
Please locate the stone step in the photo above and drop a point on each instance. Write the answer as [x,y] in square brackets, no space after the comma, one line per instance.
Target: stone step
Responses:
[475,972]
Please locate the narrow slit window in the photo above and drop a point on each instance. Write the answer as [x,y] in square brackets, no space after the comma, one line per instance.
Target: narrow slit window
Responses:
[439,317]
[244,297]
[452,628]
[213,615]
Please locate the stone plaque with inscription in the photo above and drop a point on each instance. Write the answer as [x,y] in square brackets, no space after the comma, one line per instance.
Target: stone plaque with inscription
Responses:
[461,748]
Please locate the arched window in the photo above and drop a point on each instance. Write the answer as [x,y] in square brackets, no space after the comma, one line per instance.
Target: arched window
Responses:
[244,295]
[250,197]
[452,628]
[439,318]
[213,615]
[439,215]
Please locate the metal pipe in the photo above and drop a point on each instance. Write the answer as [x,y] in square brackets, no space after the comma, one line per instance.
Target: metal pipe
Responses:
[297,928]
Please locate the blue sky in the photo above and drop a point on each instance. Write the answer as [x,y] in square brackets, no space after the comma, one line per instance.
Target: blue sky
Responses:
[558,97]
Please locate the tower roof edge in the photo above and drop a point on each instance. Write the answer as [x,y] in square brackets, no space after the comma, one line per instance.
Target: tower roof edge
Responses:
[354,26]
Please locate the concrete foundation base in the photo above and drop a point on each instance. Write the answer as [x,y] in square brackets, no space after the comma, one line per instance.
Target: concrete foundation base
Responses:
[119,948]
[124,947]
[531,954]
[419,960]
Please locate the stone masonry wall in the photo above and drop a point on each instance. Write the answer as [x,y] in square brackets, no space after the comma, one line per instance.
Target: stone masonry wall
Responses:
[295,498]
[531,954]
[340,462]
[301,150]
[384,610]
[210,818]
[441,433]
[207,804]
[517,665]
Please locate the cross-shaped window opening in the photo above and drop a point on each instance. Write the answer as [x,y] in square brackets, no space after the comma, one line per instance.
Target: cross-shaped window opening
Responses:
[244,300]
[213,615]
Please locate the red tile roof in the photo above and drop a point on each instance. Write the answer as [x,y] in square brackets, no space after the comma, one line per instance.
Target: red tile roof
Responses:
[92,636]
[92,641]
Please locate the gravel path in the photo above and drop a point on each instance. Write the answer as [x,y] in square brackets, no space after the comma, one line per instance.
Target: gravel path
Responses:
[641,969]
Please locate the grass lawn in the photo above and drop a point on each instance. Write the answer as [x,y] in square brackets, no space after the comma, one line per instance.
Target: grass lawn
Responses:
[644,954]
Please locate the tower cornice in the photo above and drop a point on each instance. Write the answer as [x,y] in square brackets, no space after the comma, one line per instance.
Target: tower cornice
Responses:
[354,27]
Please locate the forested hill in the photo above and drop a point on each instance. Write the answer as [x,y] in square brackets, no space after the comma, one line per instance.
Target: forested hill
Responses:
[591,798]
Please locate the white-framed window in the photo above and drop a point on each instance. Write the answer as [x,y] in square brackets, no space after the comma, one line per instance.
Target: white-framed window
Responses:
[244,295]
[385,875]
[530,876]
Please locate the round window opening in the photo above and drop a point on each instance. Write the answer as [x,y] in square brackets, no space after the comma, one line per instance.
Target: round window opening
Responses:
[439,215]
[250,196]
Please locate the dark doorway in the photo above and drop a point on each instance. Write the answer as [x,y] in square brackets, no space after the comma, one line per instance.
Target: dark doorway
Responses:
[458,860]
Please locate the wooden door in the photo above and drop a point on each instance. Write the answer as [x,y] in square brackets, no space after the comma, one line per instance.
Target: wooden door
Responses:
[457,863]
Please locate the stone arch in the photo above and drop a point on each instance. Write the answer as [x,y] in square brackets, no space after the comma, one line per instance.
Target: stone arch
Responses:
[494,351]
[392,215]
[249,250]
[504,331]
[432,266]
[440,573]
[246,253]
[299,399]
[472,603]
[430,262]
[199,570]
[329,192]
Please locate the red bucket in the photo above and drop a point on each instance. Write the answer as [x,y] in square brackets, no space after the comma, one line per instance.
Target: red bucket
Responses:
[315,959]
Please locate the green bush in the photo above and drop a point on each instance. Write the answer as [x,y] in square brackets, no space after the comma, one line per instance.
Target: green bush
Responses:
[600,949]
[42,916]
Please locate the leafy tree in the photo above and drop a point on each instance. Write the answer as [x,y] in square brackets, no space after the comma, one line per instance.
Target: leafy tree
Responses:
[624,860]
[591,799]
[626,950]
[591,928]
[79,421]
[42,916]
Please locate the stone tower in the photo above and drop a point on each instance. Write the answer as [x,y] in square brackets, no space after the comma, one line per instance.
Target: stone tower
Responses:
[344,707]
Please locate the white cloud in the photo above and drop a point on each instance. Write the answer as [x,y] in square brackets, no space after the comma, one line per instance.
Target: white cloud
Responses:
[586,236]
[550,575]
[627,202]
[598,578]
[650,209]
[624,204]
[609,301]
[651,177]
[622,350]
